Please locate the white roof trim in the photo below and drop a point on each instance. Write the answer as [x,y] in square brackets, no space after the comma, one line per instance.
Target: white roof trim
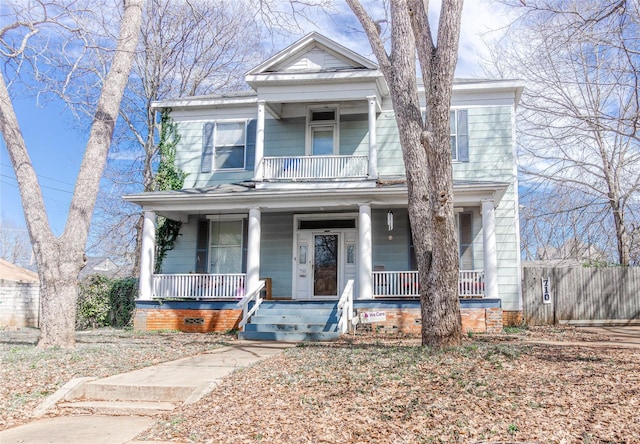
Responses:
[275,200]
[204,101]
[307,42]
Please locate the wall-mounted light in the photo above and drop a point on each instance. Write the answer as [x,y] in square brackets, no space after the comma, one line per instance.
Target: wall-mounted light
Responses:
[390,220]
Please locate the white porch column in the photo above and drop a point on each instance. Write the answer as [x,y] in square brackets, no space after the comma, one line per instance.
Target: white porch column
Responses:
[365,257]
[253,250]
[490,251]
[373,148]
[258,173]
[147,256]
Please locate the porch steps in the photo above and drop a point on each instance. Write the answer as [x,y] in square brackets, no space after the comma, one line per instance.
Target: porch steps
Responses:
[293,322]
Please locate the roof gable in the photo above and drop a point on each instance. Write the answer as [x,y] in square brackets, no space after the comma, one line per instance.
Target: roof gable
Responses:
[314,53]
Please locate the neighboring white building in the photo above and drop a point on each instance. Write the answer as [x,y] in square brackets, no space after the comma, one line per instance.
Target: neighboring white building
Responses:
[19,296]
[301,181]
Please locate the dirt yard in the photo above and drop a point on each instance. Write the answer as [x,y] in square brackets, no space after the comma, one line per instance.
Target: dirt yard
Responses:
[531,385]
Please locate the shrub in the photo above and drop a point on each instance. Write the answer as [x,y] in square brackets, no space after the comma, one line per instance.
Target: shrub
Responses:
[122,298]
[105,302]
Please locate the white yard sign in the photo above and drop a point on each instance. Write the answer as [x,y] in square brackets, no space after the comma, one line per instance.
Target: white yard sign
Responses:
[369,317]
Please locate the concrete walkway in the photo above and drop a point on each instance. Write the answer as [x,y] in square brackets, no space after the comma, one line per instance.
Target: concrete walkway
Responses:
[183,381]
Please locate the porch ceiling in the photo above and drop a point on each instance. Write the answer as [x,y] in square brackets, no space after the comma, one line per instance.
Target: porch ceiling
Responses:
[241,197]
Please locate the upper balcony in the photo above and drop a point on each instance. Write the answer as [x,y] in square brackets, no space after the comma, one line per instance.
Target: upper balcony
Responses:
[314,168]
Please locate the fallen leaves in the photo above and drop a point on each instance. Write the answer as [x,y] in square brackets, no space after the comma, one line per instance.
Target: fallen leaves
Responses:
[369,388]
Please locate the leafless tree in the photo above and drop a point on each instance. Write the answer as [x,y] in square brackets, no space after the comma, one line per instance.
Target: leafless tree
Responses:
[187,49]
[14,243]
[561,223]
[425,147]
[36,32]
[579,119]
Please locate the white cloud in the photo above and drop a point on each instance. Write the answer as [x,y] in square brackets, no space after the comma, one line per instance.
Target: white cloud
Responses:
[481,19]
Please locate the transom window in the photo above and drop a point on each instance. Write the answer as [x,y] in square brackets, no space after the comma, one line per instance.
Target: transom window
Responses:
[459,135]
[223,146]
[322,131]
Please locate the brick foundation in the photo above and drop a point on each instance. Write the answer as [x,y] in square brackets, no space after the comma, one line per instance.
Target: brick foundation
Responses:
[512,318]
[482,316]
[407,320]
[186,317]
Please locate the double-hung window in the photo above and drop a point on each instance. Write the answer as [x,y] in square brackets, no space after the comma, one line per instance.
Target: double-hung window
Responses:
[227,238]
[459,135]
[223,146]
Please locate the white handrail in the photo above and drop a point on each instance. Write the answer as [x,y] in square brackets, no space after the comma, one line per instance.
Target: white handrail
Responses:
[244,304]
[345,307]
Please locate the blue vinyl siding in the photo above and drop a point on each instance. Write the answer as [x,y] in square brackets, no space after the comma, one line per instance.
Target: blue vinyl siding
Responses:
[285,137]
[182,259]
[354,135]
[392,254]
[276,250]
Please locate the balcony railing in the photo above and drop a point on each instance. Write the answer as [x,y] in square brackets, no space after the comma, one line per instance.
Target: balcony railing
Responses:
[315,167]
[198,286]
[406,284]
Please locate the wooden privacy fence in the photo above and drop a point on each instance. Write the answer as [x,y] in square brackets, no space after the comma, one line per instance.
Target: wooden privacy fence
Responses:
[581,296]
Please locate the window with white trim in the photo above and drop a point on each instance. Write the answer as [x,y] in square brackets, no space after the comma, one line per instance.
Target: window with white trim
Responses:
[226,246]
[223,145]
[459,135]
[322,131]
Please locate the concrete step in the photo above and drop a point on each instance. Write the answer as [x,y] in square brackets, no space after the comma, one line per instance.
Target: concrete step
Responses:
[297,318]
[299,305]
[107,390]
[119,408]
[285,336]
[293,327]
[286,310]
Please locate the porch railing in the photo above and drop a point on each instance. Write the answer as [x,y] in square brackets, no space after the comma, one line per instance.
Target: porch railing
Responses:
[471,284]
[395,284]
[315,167]
[407,284]
[198,286]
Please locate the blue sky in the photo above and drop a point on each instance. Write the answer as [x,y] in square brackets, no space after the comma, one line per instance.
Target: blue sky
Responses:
[56,150]
[56,144]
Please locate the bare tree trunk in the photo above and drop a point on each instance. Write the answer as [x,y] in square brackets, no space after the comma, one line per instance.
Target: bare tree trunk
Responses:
[60,260]
[426,150]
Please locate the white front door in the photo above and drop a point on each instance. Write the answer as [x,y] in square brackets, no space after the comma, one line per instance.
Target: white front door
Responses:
[323,263]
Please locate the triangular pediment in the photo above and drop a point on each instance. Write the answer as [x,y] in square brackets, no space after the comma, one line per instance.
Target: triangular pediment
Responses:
[314,53]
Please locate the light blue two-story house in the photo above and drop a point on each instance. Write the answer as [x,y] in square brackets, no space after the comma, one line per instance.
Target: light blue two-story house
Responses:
[296,199]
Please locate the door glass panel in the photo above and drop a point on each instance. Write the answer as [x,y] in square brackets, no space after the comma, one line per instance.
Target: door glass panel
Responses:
[322,143]
[325,265]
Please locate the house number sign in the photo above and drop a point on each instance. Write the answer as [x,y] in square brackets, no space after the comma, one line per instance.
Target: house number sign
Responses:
[546,292]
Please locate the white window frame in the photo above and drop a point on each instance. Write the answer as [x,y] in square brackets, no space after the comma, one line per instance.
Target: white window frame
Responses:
[215,145]
[453,132]
[240,220]
[312,125]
